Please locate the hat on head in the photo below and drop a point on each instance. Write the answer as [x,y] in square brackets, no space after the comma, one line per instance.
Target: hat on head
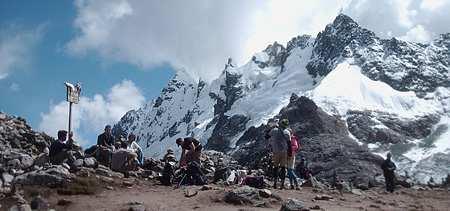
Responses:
[284,122]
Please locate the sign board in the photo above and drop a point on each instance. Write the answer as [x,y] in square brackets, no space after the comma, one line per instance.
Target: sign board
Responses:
[73,92]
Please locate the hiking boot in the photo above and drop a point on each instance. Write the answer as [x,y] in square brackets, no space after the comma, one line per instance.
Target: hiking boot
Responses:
[292,187]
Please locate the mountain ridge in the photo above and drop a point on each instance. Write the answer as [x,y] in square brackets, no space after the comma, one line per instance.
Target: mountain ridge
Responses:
[403,79]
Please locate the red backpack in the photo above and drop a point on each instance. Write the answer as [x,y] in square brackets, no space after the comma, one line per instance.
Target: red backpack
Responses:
[295,143]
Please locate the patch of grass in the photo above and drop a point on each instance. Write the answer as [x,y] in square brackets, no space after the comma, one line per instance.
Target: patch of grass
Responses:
[81,185]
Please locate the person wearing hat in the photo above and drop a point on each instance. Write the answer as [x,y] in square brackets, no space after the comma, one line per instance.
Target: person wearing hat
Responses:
[280,142]
[169,156]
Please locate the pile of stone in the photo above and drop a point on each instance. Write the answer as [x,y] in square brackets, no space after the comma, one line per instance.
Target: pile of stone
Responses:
[22,150]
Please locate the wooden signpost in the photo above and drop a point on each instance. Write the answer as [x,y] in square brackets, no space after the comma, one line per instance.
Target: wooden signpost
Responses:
[73,96]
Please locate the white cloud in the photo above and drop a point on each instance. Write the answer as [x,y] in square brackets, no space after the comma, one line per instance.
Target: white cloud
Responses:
[417,34]
[16,46]
[92,114]
[15,87]
[200,35]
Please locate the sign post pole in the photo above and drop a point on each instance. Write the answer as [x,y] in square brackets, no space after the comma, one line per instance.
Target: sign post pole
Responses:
[73,96]
[70,116]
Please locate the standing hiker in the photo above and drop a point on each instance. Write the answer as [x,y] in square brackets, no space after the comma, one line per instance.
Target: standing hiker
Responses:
[280,143]
[291,161]
[389,175]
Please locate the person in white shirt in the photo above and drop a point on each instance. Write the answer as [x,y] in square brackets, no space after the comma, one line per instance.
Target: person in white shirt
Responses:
[134,147]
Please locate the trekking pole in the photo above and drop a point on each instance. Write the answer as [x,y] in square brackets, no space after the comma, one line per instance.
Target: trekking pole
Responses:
[181,181]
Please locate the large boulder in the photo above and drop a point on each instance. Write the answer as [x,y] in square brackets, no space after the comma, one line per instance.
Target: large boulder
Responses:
[54,176]
[325,142]
[293,205]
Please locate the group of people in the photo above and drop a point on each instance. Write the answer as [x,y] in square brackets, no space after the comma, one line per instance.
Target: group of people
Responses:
[284,146]
[126,155]
[120,155]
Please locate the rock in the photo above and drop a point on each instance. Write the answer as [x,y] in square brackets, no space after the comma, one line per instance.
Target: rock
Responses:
[206,187]
[265,193]
[315,207]
[64,202]
[128,183]
[323,197]
[190,192]
[41,160]
[85,172]
[103,172]
[241,196]
[66,166]
[22,207]
[39,203]
[14,164]
[26,161]
[356,191]
[78,163]
[293,205]
[90,162]
[7,178]
[138,207]
[55,176]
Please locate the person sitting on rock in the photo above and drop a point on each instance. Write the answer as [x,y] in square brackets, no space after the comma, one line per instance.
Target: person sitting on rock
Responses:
[134,147]
[191,150]
[59,150]
[388,168]
[105,143]
[169,156]
[303,168]
[123,160]
[281,145]
[106,139]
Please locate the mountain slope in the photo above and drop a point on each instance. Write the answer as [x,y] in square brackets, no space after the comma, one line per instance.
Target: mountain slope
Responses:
[391,95]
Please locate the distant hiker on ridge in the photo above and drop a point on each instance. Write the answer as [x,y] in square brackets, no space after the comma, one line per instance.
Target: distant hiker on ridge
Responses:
[389,175]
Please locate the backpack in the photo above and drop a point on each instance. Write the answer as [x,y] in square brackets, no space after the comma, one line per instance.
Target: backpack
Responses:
[295,145]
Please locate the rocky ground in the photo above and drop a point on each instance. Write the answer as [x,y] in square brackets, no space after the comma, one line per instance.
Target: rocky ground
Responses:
[133,194]
[29,182]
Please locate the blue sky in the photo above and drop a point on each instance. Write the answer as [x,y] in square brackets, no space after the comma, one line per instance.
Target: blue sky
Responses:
[30,89]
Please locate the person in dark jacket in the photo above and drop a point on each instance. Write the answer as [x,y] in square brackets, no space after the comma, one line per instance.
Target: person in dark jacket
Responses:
[106,139]
[389,175]
[59,150]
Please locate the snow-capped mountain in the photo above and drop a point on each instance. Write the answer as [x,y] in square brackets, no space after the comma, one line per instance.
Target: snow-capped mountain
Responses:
[389,94]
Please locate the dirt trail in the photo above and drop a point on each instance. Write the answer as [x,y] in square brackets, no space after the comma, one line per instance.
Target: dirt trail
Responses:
[156,198]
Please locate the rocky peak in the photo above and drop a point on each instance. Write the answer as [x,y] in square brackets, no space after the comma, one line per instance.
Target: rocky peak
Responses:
[331,42]
[277,54]
[300,41]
